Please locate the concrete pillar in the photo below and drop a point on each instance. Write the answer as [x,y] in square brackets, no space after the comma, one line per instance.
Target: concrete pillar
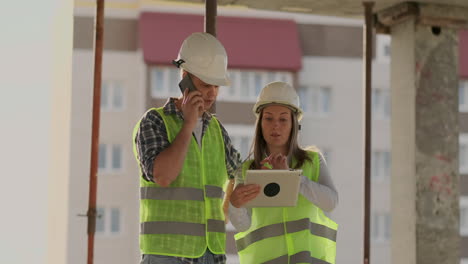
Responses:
[35,105]
[425,180]
[59,151]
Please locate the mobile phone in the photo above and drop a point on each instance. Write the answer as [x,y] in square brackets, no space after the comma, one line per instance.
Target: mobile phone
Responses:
[186,83]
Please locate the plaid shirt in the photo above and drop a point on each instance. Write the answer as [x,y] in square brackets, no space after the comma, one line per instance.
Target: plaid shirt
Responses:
[151,139]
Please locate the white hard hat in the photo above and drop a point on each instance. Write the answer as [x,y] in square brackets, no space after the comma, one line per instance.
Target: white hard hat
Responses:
[278,93]
[204,56]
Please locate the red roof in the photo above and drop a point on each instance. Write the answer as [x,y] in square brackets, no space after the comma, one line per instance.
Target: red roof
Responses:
[463,53]
[250,42]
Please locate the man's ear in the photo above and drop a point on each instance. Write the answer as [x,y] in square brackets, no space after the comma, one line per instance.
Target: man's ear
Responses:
[184,72]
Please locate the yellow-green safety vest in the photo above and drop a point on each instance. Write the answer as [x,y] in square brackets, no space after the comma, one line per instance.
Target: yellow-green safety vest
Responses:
[287,235]
[186,217]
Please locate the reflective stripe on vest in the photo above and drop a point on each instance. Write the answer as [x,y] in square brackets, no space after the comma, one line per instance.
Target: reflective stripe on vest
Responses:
[180,228]
[214,191]
[301,257]
[181,193]
[291,227]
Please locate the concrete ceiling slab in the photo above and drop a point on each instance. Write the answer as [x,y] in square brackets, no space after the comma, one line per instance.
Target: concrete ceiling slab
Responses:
[339,8]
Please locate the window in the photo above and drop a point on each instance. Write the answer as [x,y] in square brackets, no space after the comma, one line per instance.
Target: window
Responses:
[242,144]
[115,220]
[249,85]
[316,100]
[258,82]
[116,157]
[306,100]
[157,81]
[380,165]
[324,100]
[164,81]
[463,154]
[246,85]
[112,96]
[463,96]
[173,82]
[383,48]
[235,82]
[241,138]
[110,158]
[271,77]
[102,157]
[464,216]
[284,77]
[380,227]
[108,221]
[100,220]
[380,104]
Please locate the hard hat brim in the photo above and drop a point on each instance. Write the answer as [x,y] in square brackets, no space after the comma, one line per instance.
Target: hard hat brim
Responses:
[209,80]
[259,106]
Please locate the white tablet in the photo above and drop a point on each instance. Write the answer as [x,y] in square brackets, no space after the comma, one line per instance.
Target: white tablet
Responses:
[278,188]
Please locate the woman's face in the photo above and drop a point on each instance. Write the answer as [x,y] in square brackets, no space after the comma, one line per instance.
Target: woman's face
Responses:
[276,126]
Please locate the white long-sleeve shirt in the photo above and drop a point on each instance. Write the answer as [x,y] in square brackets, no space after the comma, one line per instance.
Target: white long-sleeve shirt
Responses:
[322,193]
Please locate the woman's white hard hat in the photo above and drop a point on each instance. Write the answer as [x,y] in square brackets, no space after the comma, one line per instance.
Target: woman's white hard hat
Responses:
[278,93]
[202,55]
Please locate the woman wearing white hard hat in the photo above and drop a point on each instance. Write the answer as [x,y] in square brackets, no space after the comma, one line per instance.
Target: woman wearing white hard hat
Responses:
[299,234]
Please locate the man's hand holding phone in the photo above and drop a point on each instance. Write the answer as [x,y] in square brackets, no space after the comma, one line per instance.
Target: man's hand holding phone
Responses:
[192,101]
[192,106]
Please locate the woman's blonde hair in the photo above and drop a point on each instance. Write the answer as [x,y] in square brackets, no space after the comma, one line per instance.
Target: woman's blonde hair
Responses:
[259,145]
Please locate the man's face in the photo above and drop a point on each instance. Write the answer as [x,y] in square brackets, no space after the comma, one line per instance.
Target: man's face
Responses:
[209,92]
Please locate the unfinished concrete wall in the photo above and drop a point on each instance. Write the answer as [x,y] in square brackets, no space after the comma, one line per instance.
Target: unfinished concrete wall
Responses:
[425,180]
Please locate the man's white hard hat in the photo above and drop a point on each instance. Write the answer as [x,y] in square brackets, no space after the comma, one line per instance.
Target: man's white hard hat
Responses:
[278,93]
[202,55]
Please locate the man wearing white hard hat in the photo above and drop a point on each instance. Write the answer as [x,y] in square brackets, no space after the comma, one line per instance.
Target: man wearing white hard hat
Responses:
[294,234]
[185,158]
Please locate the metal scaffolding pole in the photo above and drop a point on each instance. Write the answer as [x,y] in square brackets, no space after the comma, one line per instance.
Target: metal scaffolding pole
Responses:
[368,124]
[210,16]
[91,214]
